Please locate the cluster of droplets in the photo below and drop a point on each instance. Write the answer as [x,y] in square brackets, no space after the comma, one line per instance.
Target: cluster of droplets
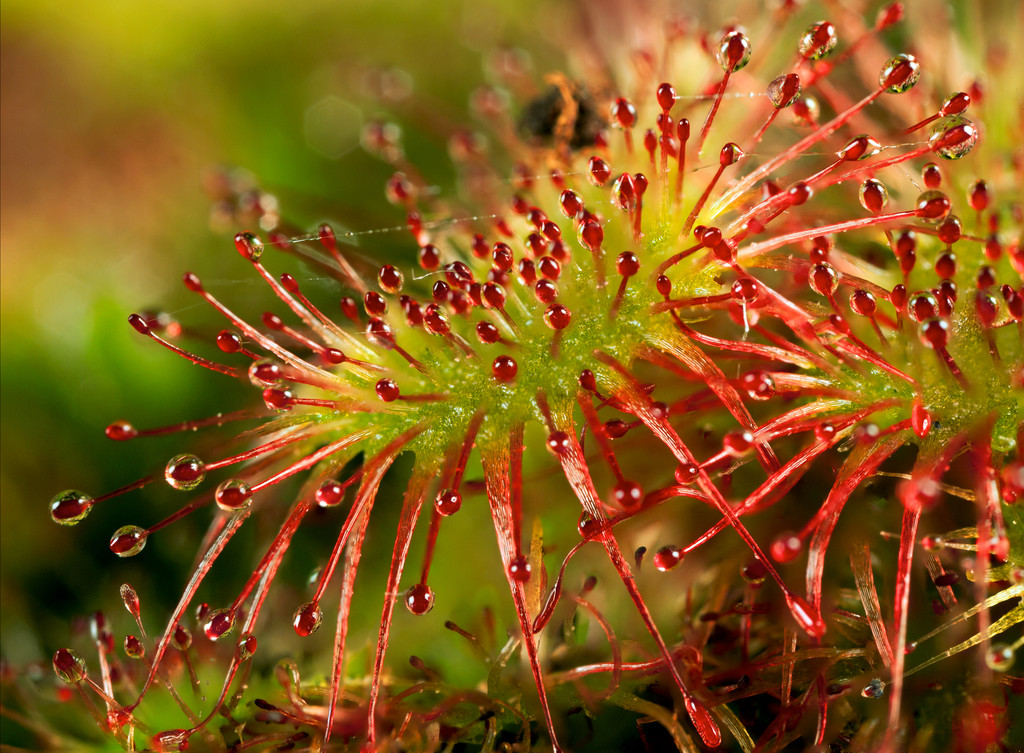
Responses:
[526,317]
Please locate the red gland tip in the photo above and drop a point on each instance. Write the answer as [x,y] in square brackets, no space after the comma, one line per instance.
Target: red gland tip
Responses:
[249,245]
[703,723]
[139,323]
[192,282]
[121,431]
[806,617]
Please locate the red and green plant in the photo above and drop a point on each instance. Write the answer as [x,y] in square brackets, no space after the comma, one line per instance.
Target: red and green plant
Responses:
[784,344]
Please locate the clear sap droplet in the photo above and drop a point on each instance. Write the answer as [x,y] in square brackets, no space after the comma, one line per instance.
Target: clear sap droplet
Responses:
[733,51]
[307,619]
[185,472]
[133,647]
[818,41]
[419,599]
[181,638]
[784,90]
[899,74]
[219,624]
[953,137]
[668,558]
[128,541]
[233,495]
[69,666]
[1000,657]
[874,689]
[70,507]
[246,647]
[873,195]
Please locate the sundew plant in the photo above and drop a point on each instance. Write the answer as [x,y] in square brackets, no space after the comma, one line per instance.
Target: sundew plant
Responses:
[720,338]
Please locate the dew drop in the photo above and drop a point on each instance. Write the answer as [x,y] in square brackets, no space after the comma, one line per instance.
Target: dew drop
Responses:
[923,305]
[185,472]
[899,74]
[558,442]
[824,279]
[623,113]
[419,599]
[70,507]
[330,493]
[557,316]
[246,647]
[181,638]
[627,264]
[822,432]
[616,428]
[806,111]
[859,148]
[133,647]
[759,385]
[738,443]
[588,526]
[627,494]
[121,431]
[307,619]
[754,572]
[448,502]
[519,569]
[264,373]
[667,96]
[933,206]
[744,290]
[504,368]
[784,90]
[219,623]
[873,195]
[978,196]
[953,137]
[69,666]
[249,246]
[487,333]
[785,547]
[233,495]
[935,333]
[128,541]
[598,171]
[390,279]
[733,51]
[874,689]
[686,473]
[387,390]
[667,558]
[863,303]
[818,41]
[1000,657]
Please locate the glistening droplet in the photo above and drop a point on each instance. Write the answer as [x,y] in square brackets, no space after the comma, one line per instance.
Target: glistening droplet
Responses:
[128,541]
[69,666]
[185,472]
[70,507]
